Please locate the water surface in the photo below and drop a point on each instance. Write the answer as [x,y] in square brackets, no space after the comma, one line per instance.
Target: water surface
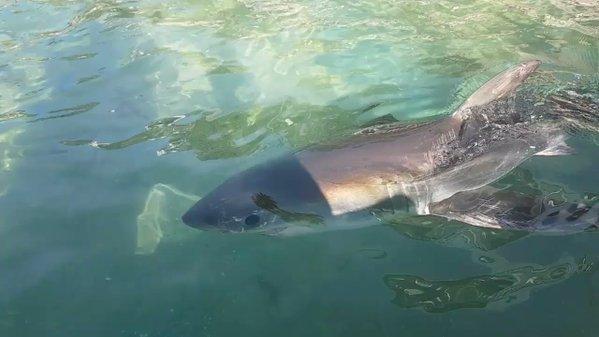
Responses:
[115,116]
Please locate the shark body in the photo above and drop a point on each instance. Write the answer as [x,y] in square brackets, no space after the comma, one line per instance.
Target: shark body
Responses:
[417,167]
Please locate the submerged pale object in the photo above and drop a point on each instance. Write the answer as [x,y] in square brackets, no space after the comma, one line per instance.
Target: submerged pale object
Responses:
[163,205]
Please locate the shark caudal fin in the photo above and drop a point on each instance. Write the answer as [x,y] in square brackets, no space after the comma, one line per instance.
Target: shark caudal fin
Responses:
[579,112]
[491,207]
[498,87]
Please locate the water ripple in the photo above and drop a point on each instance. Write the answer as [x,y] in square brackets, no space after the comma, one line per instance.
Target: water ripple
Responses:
[67,112]
[500,289]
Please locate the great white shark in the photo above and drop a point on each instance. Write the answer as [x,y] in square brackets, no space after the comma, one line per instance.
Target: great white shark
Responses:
[440,167]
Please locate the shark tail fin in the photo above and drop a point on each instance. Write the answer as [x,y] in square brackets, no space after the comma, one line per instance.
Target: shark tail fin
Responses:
[579,112]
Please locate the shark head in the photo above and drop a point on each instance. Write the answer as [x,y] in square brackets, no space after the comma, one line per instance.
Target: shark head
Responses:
[263,198]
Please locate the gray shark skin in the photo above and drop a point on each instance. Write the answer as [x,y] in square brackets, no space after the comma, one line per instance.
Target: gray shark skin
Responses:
[413,167]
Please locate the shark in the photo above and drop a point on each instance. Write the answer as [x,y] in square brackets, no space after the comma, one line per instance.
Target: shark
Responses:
[440,167]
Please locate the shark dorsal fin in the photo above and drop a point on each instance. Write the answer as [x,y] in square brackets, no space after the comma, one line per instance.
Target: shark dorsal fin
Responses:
[499,86]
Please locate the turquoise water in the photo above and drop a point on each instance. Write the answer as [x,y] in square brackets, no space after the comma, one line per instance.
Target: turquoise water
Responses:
[115,116]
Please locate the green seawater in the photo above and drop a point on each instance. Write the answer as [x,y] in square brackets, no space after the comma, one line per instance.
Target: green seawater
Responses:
[116,116]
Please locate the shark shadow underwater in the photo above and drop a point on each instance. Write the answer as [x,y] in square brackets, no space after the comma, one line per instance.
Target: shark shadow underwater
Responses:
[439,167]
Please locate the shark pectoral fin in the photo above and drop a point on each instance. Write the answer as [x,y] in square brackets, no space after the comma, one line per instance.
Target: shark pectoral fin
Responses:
[560,149]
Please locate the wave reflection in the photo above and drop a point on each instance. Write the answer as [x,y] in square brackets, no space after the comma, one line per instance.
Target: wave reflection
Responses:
[503,288]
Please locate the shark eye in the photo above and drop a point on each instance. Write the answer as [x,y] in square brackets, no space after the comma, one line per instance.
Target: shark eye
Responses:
[252,220]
